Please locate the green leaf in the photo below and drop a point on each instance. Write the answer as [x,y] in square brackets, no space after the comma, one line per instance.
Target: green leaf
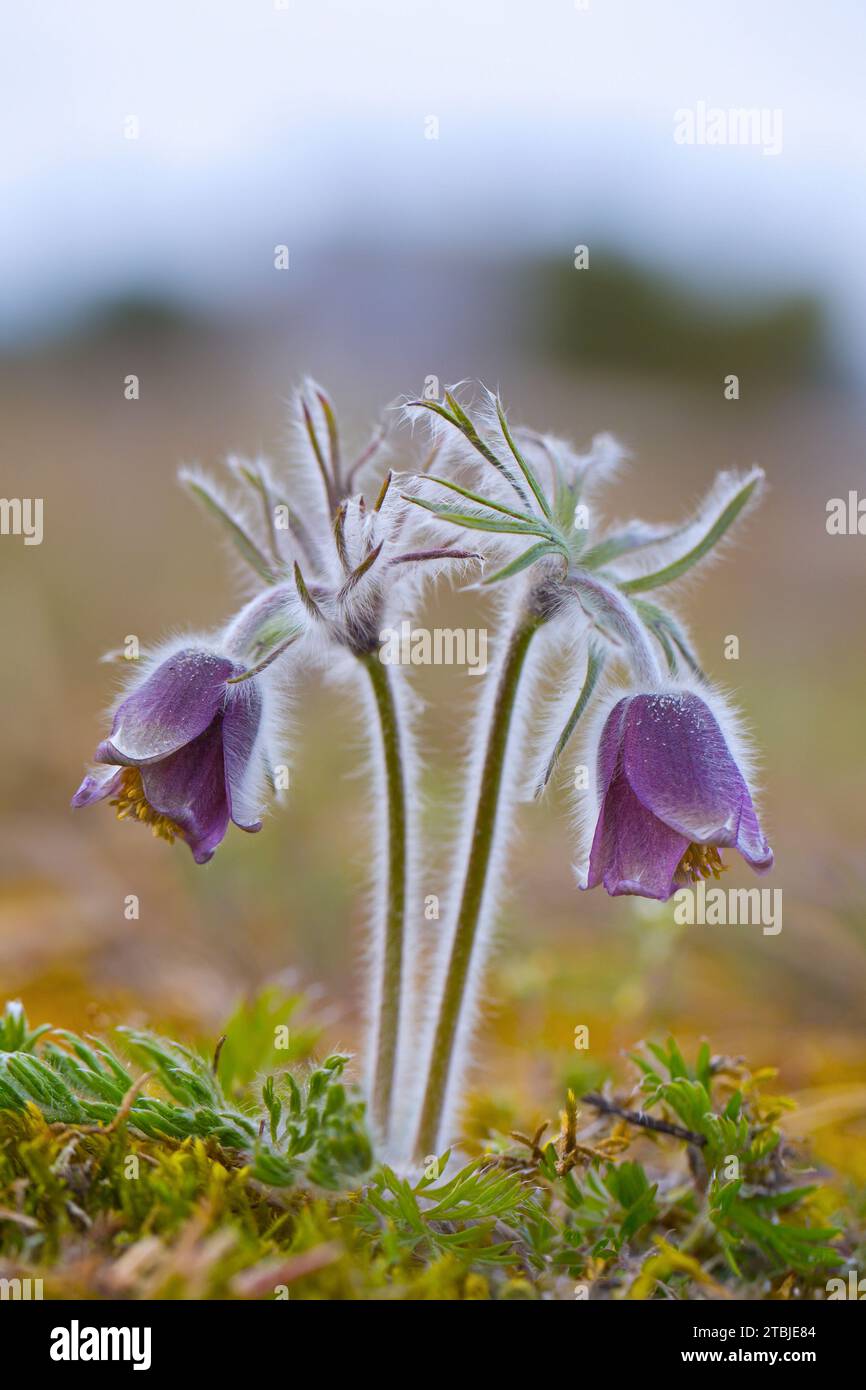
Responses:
[457,417]
[248,1050]
[358,573]
[15,1032]
[475,522]
[255,478]
[482,501]
[679,567]
[669,635]
[637,537]
[522,562]
[594,667]
[244,543]
[522,463]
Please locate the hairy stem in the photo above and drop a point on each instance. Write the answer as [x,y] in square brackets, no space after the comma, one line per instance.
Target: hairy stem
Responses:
[598,598]
[454,995]
[391,948]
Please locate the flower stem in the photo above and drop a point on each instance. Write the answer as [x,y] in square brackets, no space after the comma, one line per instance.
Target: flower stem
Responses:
[391,948]
[454,998]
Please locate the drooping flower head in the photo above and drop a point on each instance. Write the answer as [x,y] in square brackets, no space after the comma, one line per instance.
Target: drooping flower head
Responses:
[189,748]
[671,794]
[183,751]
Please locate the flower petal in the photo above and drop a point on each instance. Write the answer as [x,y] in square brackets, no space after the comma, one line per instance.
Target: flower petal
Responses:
[632,850]
[750,839]
[189,787]
[98,785]
[241,726]
[679,766]
[609,745]
[169,709]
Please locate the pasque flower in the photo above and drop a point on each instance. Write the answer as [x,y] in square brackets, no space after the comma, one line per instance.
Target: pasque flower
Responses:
[180,755]
[189,748]
[671,794]
[670,789]
[339,566]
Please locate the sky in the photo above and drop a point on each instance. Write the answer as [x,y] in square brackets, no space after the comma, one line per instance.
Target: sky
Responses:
[306,123]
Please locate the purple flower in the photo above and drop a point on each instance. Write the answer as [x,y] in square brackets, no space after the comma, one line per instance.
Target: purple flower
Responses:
[671,795]
[184,755]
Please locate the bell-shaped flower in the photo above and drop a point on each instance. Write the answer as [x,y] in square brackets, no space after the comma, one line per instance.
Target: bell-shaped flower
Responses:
[186,751]
[671,794]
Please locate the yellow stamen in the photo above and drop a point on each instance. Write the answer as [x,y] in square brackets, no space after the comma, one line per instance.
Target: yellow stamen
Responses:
[131,802]
[699,861]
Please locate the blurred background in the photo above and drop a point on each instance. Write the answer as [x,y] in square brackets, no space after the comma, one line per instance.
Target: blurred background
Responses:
[432,168]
